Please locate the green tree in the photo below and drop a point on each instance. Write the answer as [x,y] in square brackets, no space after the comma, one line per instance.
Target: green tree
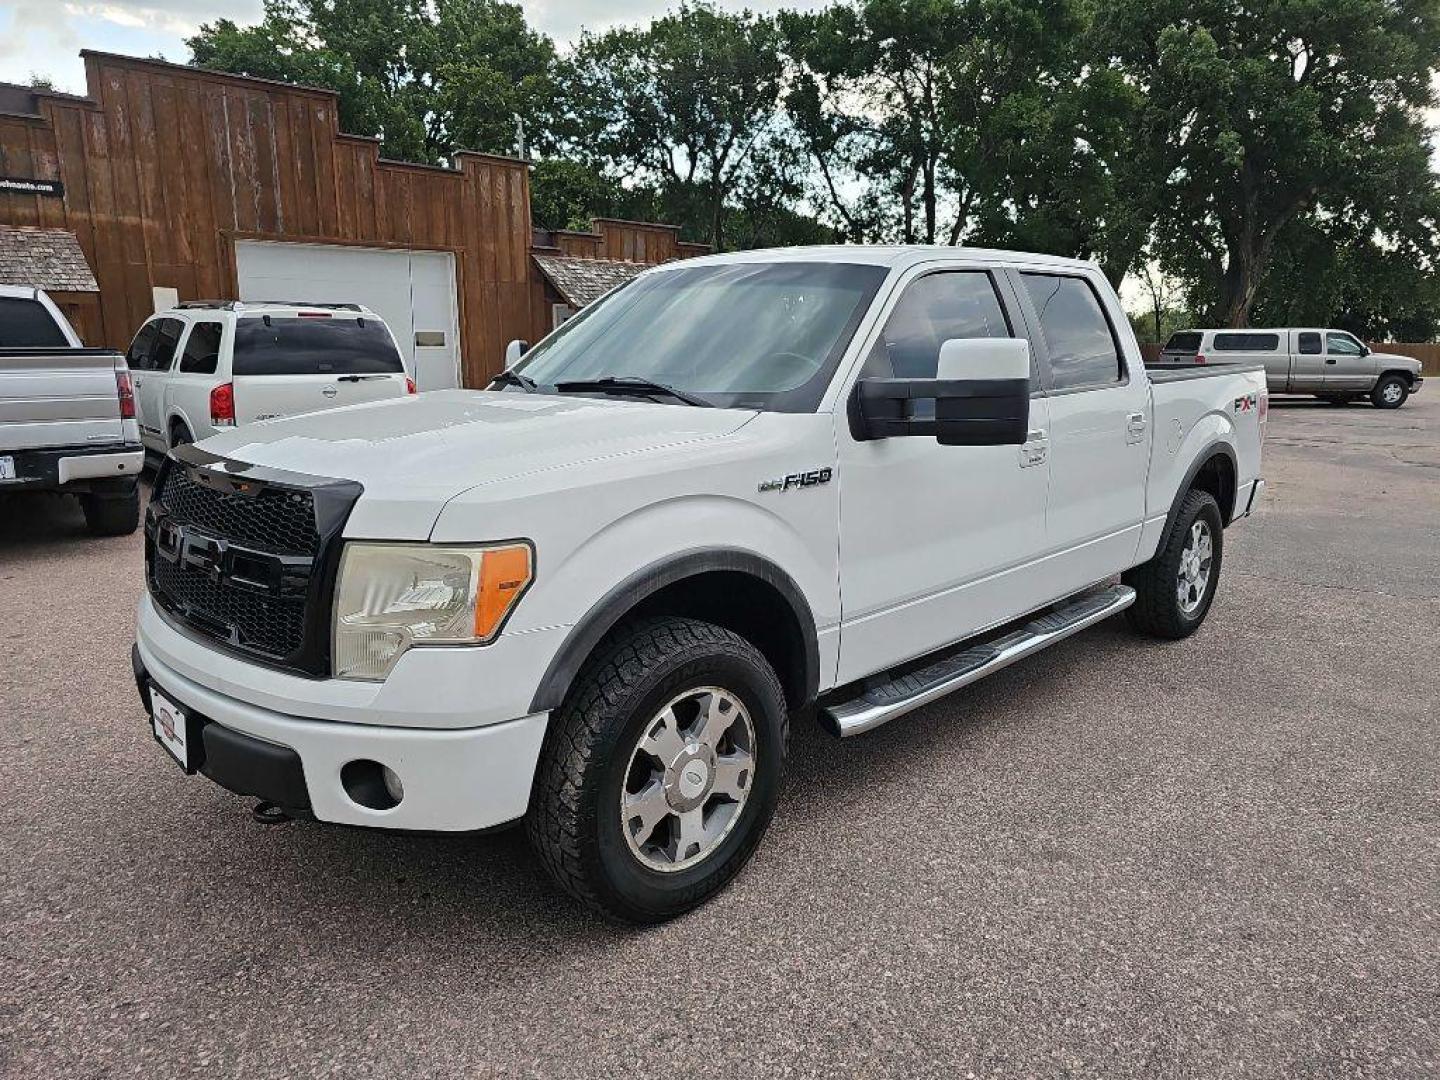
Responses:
[683,106]
[428,78]
[1262,113]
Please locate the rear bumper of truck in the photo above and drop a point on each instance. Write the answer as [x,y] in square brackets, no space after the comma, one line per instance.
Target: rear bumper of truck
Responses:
[74,468]
[450,780]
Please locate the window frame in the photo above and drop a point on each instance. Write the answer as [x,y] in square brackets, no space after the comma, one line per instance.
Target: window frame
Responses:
[892,304]
[1038,340]
[1345,334]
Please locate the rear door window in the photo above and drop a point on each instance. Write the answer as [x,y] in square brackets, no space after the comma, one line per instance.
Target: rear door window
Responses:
[314,346]
[167,340]
[1308,343]
[1249,342]
[202,349]
[1082,345]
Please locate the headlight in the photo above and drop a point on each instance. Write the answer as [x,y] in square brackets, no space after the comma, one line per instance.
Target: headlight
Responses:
[393,596]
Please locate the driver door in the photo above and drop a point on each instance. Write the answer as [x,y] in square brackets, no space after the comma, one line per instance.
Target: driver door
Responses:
[934,539]
[1347,363]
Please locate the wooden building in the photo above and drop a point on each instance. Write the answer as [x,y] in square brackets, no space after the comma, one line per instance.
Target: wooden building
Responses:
[180,183]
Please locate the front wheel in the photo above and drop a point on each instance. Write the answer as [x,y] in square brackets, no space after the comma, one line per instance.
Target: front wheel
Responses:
[1390,392]
[660,773]
[1174,589]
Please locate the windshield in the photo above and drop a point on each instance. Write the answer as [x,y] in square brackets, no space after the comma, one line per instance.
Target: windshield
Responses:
[314,346]
[740,335]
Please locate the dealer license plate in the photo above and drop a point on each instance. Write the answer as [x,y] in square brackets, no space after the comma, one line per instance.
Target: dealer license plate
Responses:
[7,468]
[172,728]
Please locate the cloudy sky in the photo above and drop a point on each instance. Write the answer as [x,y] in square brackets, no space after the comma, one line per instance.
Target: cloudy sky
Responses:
[44,37]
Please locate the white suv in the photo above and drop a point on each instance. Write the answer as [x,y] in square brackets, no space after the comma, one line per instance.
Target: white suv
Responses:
[205,366]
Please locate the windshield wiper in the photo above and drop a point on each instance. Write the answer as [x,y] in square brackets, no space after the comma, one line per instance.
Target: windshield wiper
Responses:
[629,384]
[514,378]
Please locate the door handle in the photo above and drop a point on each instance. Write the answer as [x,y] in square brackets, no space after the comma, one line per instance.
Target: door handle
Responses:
[1135,427]
[1035,449]
[1330,360]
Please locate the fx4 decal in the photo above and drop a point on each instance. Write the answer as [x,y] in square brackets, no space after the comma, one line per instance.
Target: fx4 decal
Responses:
[795,481]
[1245,404]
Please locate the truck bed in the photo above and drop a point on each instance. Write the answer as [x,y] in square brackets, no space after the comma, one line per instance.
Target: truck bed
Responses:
[1166,373]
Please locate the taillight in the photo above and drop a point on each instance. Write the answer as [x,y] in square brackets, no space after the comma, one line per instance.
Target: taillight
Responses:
[1200,358]
[222,405]
[1264,410]
[126,390]
[409,385]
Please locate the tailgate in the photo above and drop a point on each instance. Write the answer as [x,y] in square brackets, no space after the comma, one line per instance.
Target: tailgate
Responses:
[266,397]
[58,397]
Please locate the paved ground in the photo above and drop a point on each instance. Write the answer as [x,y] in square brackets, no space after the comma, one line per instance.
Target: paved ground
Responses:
[1218,858]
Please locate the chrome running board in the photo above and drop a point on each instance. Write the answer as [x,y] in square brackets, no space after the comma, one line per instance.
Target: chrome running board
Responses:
[886,700]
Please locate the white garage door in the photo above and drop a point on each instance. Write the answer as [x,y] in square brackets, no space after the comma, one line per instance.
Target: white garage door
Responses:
[413,291]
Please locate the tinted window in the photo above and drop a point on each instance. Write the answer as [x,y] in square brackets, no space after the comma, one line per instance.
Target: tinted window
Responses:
[138,355]
[932,311]
[1185,341]
[1309,344]
[25,324]
[1247,342]
[1343,345]
[329,346]
[167,339]
[1082,346]
[202,349]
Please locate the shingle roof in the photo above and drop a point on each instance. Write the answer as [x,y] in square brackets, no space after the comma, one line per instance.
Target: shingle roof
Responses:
[579,281]
[48,258]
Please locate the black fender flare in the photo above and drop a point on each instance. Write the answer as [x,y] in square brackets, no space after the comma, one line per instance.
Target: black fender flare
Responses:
[620,600]
[1218,448]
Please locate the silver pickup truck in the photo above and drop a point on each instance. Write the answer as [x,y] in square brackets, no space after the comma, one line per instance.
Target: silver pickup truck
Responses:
[1331,364]
[67,416]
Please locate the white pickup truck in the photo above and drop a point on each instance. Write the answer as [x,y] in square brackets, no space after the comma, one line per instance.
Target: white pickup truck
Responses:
[67,417]
[735,488]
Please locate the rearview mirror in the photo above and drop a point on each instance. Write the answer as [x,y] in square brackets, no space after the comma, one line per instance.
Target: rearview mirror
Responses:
[514,351]
[981,396]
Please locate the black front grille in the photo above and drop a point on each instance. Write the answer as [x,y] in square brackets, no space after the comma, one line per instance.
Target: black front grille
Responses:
[246,556]
[271,519]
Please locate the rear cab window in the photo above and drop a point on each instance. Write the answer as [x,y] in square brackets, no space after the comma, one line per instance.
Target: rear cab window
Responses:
[303,345]
[27,324]
[1084,352]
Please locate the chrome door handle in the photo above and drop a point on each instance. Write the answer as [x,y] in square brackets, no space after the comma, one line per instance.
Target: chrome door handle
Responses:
[1035,449]
[1135,427]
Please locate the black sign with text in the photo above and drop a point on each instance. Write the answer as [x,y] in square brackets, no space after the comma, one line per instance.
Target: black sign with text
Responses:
[23,185]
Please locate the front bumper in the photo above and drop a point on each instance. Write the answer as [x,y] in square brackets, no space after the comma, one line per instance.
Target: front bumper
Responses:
[454,780]
[75,468]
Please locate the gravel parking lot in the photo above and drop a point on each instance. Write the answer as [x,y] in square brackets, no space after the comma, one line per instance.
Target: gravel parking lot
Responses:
[1214,858]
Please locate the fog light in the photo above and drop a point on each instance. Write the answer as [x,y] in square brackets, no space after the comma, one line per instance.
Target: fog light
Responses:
[372,785]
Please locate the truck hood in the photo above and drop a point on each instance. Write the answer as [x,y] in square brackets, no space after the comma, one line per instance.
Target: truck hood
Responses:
[415,454]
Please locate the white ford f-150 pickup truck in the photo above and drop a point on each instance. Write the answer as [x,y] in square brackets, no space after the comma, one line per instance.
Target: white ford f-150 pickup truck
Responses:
[736,488]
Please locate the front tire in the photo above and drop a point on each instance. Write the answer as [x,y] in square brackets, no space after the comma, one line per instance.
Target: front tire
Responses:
[1390,392]
[1175,589]
[661,771]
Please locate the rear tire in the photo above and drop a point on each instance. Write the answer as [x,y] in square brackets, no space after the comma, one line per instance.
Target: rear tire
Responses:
[1175,589]
[1390,392]
[112,514]
[180,435]
[611,818]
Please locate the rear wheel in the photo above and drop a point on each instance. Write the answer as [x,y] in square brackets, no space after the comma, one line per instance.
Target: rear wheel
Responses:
[1174,589]
[1390,392]
[112,514]
[661,771]
[180,434]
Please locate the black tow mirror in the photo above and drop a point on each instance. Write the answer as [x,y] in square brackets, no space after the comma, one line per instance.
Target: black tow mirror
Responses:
[982,397]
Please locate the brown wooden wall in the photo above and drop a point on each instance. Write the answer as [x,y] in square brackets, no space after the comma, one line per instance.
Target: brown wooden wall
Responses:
[166,166]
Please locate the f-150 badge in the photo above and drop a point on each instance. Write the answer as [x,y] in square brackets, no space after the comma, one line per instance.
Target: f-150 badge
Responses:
[794,481]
